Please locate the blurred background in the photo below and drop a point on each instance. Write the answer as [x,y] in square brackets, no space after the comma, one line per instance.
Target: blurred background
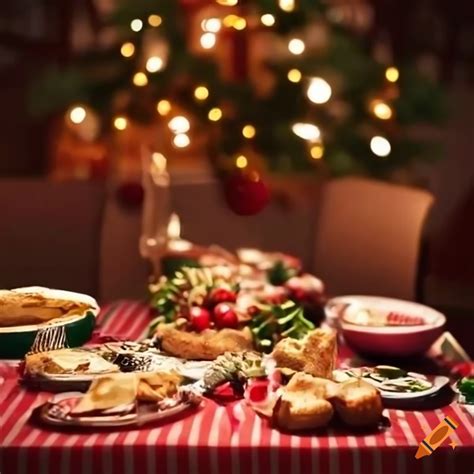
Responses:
[296,91]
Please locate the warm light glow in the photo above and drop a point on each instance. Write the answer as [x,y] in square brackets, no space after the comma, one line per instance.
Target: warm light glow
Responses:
[268,19]
[380,146]
[77,114]
[140,79]
[392,74]
[159,162]
[127,50]
[201,92]
[154,64]
[241,162]
[319,91]
[287,5]
[154,20]
[317,151]
[215,114]
[294,75]
[208,40]
[163,107]
[213,25]
[240,23]
[174,227]
[228,3]
[248,131]
[296,46]
[120,123]
[382,110]
[181,140]
[136,25]
[229,20]
[306,131]
[179,124]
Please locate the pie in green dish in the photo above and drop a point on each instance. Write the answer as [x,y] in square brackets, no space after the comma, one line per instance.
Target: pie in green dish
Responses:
[25,311]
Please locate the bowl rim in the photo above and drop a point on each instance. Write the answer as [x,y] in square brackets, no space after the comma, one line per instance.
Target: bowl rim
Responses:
[439,318]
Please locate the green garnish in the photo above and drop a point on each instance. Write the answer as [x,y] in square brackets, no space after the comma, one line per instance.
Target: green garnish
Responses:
[276,321]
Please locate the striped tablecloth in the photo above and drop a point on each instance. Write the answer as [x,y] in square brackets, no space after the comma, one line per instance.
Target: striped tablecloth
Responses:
[218,439]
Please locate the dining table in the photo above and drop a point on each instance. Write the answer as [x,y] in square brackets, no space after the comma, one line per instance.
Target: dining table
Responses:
[225,437]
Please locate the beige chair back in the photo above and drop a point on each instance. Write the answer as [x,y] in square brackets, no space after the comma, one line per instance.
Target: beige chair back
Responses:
[50,234]
[368,237]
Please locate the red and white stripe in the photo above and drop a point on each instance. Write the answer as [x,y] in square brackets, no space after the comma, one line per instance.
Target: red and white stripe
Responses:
[208,441]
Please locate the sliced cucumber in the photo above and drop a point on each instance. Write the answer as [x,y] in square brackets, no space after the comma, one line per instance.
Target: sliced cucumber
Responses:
[389,372]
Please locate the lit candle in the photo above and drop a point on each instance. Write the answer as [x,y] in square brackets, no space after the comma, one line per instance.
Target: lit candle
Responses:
[179,252]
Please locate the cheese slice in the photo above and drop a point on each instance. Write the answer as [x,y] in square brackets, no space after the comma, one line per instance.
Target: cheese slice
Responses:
[108,392]
[70,360]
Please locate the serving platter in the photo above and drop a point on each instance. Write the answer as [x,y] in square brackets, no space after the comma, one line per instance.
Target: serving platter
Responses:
[56,412]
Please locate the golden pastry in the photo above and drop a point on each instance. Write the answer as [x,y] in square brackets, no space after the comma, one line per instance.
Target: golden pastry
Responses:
[314,354]
[358,403]
[154,387]
[206,345]
[109,391]
[303,404]
[19,308]
[67,361]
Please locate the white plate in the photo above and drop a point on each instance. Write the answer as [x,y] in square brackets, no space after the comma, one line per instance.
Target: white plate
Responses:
[438,382]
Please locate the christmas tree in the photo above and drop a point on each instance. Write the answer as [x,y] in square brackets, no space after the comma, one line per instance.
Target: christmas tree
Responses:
[282,85]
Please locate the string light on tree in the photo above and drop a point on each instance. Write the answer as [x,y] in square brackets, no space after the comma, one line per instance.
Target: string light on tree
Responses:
[229,20]
[154,64]
[267,19]
[201,93]
[317,151]
[294,75]
[382,110]
[287,5]
[163,107]
[77,114]
[154,20]
[240,23]
[215,114]
[241,162]
[120,123]
[319,91]
[136,25]
[208,40]
[392,74]
[179,124]
[307,131]
[211,25]
[127,50]
[296,46]
[228,3]
[248,131]
[181,140]
[380,146]
[140,79]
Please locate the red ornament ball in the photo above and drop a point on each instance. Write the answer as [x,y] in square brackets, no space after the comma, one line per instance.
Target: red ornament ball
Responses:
[225,316]
[246,193]
[222,295]
[200,318]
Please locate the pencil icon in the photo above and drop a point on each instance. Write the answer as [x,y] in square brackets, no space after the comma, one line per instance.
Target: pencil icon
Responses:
[436,437]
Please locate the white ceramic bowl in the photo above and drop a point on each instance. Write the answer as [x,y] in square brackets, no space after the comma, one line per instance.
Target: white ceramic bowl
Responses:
[387,341]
